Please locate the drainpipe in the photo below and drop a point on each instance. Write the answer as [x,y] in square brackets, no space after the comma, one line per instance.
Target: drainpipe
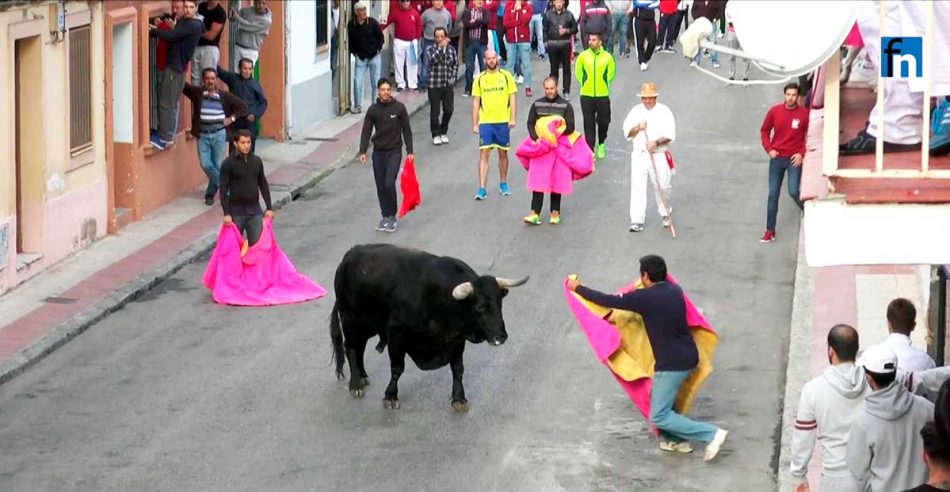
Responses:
[288,83]
[343,59]
[942,275]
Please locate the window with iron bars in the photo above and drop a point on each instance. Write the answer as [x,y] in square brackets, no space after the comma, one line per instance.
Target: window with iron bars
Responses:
[80,89]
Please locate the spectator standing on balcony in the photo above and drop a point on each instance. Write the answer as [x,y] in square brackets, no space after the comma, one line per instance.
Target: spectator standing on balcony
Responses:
[165,23]
[901,320]
[183,38]
[407,30]
[645,28]
[595,19]
[518,15]
[434,17]
[783,137]
[539,7]
[366,42]
[475,24]
[884,450]
[243,85]
[243,182]
[827,407]
[712,10]
[559,27]
[443,72]
[252,25]
[620,11]
[213,111]
[207,54]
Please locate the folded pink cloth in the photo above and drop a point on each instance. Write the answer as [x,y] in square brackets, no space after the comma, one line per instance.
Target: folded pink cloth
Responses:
[553,168]
[264,276]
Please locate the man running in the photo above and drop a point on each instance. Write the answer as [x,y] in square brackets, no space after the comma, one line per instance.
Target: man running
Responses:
[494,94]
[391,121]
[242,182]
[595,70]
[651,127]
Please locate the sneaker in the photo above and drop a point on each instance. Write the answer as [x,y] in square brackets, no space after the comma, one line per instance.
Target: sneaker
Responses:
[437,140]
[356,110]
[532,219]
[601,151]
[466,94]
[504,189]
[520,79]
[158,143]
[541,57]
[209,200]
[732,77]
[383,224]
[768,237]
[693,63]
[940,140]
[400,89]
[528,92]
[715,64]
[567,96]
[643,67]
[390,225]
[626,55]
[676,447]
[444,138]
[482,194]
[712,449]
[555,218]
[636,227]
[864,143]
[666,221]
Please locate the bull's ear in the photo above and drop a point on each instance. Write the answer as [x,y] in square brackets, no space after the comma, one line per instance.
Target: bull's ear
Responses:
[504,292]
[462,291]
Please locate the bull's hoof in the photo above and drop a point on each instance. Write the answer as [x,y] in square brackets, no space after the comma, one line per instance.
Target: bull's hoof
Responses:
[357,393]
[365,381]
[459,406]
[340,375]
[380,347]
[390,404]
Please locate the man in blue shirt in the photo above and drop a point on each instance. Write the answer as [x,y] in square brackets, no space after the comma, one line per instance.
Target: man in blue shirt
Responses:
[250,91]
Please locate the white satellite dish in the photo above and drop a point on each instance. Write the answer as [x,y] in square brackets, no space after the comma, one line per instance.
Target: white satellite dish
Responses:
[788,38]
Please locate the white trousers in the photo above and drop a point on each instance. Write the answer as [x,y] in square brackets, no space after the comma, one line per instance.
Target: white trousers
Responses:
[642,172]
[406,72]
[205,57]
[240,53]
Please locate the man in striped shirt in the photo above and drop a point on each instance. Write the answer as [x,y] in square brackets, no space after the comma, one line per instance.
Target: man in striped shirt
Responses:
[213,111]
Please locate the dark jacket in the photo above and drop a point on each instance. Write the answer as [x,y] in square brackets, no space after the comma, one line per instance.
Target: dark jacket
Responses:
[183,38]
[391,122]
[553,21]
[242,181]
[546,107]
[710,9]
[477,27]
[595,18]
[366,39]
[233,106]
[249,90]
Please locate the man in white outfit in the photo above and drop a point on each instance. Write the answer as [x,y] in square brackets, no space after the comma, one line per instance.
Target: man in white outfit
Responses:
[901,321]
[651,128]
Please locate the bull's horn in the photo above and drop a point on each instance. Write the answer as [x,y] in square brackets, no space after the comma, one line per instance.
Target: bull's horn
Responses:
[462,291]
[507,283]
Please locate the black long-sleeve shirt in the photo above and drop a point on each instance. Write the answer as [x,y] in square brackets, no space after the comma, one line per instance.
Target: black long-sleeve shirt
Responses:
[391,122]
[366,39]
[184,39]
[663,309]
[242,177]
[546,107]
[249,90]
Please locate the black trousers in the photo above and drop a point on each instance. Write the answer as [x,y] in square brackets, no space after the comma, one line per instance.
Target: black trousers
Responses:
[252,224]
[537,201]
[646,39]
[559,54]
[385,169]
[441,99]
[596,111]
[500,32]
[668,29]
[243,124]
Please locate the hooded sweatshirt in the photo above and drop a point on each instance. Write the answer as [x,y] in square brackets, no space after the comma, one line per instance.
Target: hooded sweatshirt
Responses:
[252,27]
[828,405]
[884,449]
[595,18]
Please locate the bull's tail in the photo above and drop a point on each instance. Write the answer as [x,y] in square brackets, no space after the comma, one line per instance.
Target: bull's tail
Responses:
[336,336]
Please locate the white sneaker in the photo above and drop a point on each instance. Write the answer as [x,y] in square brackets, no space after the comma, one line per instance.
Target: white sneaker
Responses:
[636,227]
[437,140]
[643,67]
[520,79]
[666,221]
[444,138]
[676,447]
[712,449]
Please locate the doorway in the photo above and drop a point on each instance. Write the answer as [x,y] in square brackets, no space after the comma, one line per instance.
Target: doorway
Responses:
[28,149]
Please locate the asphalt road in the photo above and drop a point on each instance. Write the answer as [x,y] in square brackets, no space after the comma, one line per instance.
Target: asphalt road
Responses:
[177,393]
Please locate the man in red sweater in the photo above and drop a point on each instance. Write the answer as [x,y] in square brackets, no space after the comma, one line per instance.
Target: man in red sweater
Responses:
[517,20]
[783,138]
[407,30]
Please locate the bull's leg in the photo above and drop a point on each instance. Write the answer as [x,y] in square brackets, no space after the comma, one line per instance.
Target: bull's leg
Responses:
[382,341]
[359,360]
[459,403]
[397,362]
[354,355]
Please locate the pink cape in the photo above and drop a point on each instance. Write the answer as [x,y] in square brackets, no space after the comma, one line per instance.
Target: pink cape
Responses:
[554,168]
[604,339]
[263,276]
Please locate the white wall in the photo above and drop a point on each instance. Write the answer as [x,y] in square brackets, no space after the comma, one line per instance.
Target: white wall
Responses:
[304,63]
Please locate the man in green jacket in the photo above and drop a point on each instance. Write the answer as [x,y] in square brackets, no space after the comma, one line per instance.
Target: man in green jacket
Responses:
[595,69]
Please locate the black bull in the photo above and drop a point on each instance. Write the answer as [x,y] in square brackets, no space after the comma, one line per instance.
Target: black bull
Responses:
[421,305]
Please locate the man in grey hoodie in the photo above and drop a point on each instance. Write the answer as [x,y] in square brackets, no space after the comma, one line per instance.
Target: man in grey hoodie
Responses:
[884,451]
[828,405]
[253,25]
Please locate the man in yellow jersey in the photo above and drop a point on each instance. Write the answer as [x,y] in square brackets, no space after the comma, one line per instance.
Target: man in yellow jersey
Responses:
[595,70]
[493,117]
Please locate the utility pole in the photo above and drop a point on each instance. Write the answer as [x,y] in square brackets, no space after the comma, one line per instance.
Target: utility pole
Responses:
[345,79]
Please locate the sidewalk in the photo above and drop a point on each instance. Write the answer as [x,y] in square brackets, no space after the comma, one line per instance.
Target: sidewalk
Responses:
[42,314]
[824,297]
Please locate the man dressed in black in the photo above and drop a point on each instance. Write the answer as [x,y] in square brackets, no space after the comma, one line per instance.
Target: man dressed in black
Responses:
[390,120]
[242,178]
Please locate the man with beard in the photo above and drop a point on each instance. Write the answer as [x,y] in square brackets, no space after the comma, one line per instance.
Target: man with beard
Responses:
[494,94]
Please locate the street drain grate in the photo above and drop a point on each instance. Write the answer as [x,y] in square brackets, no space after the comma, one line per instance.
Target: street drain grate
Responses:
[60,300]
[321,139]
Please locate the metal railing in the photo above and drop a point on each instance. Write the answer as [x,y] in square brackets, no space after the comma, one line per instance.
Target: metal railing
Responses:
[832,117]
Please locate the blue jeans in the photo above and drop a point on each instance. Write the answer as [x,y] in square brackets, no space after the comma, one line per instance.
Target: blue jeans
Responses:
[424,62]
[713,54]
[520,51]
[473,51]
[673,426]
[212,149]
[537,29]
[373,65]
[777,168]
[618,28]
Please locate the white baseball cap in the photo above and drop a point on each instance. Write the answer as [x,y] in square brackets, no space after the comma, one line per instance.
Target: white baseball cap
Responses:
[879,359]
